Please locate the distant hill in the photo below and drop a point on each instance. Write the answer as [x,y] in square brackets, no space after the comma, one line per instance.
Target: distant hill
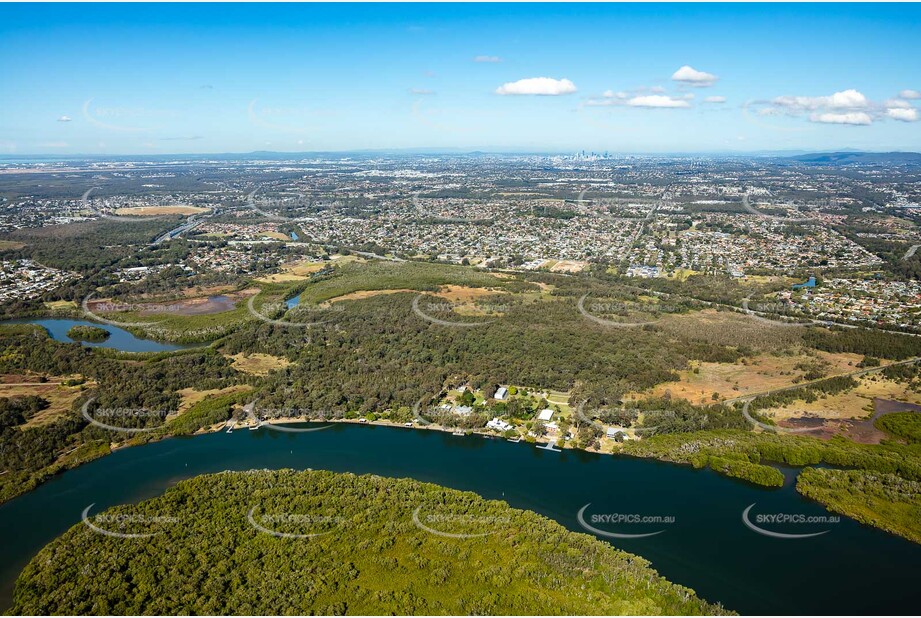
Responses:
[838,158]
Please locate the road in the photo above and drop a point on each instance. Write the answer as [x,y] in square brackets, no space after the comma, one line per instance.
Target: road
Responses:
[911,251]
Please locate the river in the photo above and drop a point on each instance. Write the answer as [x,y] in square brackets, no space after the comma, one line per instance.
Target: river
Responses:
[851,569]
[119,338]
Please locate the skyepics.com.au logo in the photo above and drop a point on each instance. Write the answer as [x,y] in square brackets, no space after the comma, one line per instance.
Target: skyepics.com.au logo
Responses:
[618,525]
[294,525]
[772,428]
[619,307]
[88,313]
[315,315]
[124,419]
[258,415]
[271,207]
[442,520]
[447,211]
[746,204]
[782,525]
[126,525]
[425,310]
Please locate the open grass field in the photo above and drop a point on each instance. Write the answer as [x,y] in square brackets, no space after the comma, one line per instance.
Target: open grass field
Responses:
[62,305]
[760,373]
[60,397]
[191,396]
[297,271]
[853,404]
[398,276]
[147,211]
[257,363]
[568,266]
[10,245]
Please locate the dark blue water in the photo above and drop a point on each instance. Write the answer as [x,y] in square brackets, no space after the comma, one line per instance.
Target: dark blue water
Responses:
[853,569]
[119,339]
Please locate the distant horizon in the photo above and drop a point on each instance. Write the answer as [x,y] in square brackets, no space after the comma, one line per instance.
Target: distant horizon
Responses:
[453,151]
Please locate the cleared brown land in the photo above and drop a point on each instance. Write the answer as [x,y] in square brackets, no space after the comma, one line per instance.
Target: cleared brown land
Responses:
[60,398]
[275,235]
[257,363]
[568,266]
[299,271]
[760,373]
[147,211]
[854,404]
[191,396]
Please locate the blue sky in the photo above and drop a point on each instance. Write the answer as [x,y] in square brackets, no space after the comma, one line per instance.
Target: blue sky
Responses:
[139,79]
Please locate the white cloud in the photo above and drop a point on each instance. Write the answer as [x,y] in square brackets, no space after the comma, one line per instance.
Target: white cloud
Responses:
[658,101]
[487,59]
[846,99]
[64,119]
[897,103]
[715,99]
[854,118]
[903,114]
[910,94]
[421,91]
[546,86]
[657,89]
[693,77]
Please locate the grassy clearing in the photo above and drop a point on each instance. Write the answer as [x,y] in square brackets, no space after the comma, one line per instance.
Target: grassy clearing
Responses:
[11,245]
[192,397]
[258,364]
[854,403]
[62,306]
[60,397]
[760,373]
[400,275]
